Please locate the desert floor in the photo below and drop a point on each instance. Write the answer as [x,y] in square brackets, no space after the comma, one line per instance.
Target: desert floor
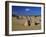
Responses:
[22,24]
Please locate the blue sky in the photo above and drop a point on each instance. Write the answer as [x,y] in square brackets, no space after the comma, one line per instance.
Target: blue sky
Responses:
[26,11]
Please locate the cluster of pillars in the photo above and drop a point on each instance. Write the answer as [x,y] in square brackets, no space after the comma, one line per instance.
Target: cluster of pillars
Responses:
[29,19]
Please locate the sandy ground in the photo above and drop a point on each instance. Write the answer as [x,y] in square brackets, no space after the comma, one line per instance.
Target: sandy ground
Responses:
[22,24]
